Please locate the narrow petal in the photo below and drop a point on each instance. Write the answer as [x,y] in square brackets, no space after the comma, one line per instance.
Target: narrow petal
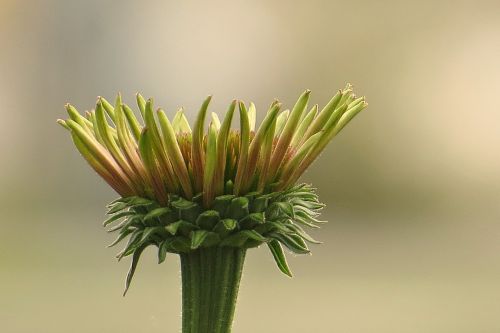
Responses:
[110,110]
[180,123]
[216,121]
[243,149]
[304,126]
[150,163]
[287,134]
[133,123]
[158,145]
[296,160]
[110,143]
[141,103]
[175,155]
[281,121]
[333,126]
[99,153]
[197,154]
[129,147]
[323,116]
[222,149]
[265,159]
[107,175]
[255,146]
[63,124]
[210,163]
[252,115]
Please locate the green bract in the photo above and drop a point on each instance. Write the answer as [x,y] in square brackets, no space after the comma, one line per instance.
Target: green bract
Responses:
[242,222]
[185,189]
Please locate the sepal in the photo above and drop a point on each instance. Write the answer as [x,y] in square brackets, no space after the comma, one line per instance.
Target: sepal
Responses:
[247,221]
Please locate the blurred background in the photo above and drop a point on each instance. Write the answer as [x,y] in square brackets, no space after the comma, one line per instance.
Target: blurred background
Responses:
[412,184]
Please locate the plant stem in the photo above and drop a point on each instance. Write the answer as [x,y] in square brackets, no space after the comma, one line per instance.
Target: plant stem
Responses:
[210,282]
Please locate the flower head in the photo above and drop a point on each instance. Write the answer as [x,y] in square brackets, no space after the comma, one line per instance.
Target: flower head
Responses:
[186,188]
[162,156]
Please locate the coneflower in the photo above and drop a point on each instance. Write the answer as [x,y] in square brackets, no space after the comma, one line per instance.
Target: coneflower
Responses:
[209,195]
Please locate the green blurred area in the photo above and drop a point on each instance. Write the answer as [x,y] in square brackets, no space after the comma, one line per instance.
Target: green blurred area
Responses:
[412,186]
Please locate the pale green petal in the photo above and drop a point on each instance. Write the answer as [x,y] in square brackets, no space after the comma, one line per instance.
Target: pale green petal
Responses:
[252,115]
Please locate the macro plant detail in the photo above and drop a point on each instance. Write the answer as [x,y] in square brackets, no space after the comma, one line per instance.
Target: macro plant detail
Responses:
[208,196]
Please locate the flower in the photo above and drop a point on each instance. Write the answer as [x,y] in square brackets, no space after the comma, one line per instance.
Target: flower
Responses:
[183,189]
[163,156]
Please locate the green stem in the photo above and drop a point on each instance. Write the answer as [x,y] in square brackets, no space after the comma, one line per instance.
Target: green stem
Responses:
[210,282]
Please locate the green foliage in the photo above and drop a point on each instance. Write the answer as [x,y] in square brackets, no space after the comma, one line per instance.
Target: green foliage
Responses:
[183,226]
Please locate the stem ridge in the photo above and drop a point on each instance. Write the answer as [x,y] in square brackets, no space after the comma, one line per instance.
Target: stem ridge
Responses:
[210,283]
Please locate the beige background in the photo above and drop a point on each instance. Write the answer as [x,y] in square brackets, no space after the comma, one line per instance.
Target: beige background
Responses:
[412,185]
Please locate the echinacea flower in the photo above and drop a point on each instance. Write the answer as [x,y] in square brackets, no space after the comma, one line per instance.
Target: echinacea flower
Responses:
[210,195]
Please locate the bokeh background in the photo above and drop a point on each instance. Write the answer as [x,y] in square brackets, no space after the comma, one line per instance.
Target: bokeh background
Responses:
[412,185]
